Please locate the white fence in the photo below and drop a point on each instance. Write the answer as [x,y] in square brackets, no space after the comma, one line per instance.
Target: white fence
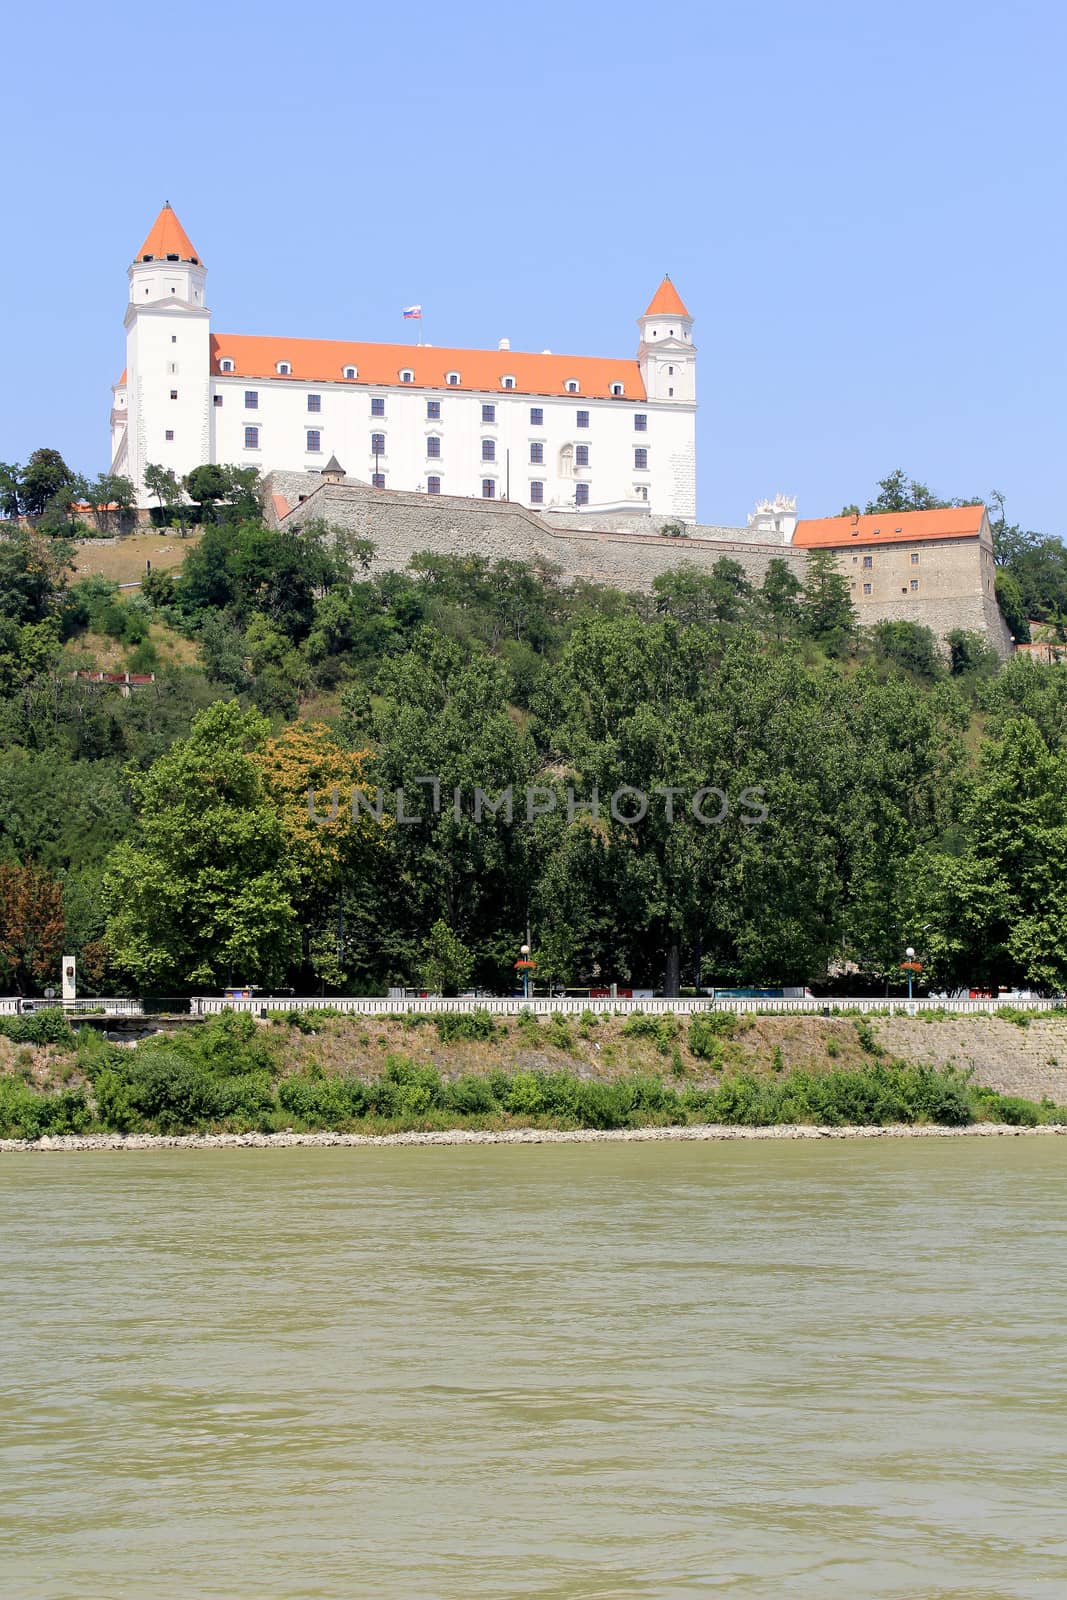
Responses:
[373,1006]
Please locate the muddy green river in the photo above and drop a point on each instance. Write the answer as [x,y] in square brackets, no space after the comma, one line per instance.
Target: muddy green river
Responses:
[775,1370]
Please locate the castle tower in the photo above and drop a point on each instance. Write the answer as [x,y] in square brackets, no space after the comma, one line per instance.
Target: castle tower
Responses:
[666,354]
[168,358]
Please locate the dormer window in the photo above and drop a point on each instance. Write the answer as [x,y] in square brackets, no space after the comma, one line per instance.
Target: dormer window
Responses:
[226,364]
[572,386]
[407,376]
[507,382]
[617,390]
[348,372]
[283,369]
[452,379]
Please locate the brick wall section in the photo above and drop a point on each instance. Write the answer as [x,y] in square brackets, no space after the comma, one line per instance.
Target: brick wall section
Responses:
[1029,1061]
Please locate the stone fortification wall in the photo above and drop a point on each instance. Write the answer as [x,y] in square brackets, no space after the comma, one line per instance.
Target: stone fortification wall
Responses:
[401,524]
[629,552]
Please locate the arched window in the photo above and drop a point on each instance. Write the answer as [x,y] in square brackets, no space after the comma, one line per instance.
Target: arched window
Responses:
[617,390]
[226,365]
[283,369]
[452,379]
[348,372]
[572,386]
[507,381]
[406,375]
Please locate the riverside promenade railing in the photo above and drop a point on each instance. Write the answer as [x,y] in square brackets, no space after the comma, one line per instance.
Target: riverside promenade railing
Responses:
[376,1006]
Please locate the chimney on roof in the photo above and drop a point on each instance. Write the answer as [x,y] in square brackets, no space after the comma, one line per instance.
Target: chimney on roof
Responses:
[505,344]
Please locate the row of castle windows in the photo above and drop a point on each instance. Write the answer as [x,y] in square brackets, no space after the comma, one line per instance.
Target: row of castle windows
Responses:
[406,375]
[433,410]
[914,587]
[536,486]
[868,561]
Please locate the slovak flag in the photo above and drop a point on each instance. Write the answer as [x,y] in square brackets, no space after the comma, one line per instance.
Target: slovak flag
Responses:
[412,313]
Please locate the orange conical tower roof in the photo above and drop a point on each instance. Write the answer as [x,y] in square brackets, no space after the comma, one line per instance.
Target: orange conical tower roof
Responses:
[666,302]
[167,238]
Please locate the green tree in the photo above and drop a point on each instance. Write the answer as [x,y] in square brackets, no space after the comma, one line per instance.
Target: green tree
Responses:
[898,492]
[207,486]
[779,597]
[163,483]
[447,964]
[826,611]
[202,893]
[45,475]
[10,488]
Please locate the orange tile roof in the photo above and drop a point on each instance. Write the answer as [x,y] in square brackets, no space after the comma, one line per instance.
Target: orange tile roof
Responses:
[167,237]
[322,361]
[890,527]
[666,302]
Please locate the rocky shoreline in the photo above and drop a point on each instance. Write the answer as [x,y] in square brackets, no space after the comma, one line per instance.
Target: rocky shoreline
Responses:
[89,1143]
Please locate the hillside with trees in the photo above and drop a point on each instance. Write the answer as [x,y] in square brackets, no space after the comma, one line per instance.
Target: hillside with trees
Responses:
[874,791]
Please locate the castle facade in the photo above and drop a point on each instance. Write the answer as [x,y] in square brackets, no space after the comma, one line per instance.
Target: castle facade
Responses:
[543,430]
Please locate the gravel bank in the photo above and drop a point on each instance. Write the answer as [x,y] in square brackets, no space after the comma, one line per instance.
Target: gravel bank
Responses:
[86,1143]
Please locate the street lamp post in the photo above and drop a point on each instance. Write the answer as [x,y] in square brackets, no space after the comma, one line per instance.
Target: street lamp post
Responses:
[910,953]
[524,952]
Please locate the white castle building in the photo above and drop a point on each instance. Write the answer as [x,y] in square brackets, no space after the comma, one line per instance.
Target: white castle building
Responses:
[572,432]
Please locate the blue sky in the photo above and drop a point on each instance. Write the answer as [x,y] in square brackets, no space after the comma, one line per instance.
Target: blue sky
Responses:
[863,207]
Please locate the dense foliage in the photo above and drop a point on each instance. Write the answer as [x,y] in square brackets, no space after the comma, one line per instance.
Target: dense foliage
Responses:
[874,792]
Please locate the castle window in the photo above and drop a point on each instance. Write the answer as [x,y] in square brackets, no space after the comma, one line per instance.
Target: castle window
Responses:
[640,422]
[489,413]
[433,446]
[915,558]
[641,490]
[537,493]
[866,588]
[433,410]
[583,419]
[488,449]
[314,441]
[452,379]
[670,394]
[508,382]
[670,372]
[174,338]
[169,435]
[377,406]
[617,390]
[217,399]
[407,376]
[174,394]
[314,402]
[868,561]
[914,585]
[641,459]
[225,365]
[283,369]
[488,488]
[377,480]
[348,372]
[251,399]
[571,385]
[537,453]
[377,444]
[537,417]
[581,455]
[433,485]
[251,438]
[581,494]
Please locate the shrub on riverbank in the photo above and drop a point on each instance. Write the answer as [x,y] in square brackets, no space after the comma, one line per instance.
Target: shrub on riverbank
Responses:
[231,1075]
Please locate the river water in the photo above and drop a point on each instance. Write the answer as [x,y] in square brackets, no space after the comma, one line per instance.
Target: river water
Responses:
[612,1371]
